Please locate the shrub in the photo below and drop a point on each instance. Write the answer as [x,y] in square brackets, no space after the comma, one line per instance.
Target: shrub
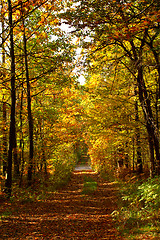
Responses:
[63,163]
[139,208]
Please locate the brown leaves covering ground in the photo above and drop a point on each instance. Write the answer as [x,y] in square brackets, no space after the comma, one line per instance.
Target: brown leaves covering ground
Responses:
[67,214]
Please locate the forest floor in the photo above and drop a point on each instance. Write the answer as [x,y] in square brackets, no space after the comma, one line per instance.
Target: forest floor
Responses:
[63,214]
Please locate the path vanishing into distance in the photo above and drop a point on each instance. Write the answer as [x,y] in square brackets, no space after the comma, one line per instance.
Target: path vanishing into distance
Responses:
[64,214]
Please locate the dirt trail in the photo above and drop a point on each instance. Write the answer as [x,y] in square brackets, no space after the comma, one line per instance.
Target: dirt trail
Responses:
[67,214]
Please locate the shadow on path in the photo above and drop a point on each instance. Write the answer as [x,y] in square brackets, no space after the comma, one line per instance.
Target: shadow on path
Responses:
[66,214]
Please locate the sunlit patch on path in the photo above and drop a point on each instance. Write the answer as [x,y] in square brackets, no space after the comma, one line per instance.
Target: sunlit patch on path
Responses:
[83,168]
[67,214]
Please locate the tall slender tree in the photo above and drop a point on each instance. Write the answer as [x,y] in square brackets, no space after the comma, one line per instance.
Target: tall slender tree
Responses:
[4,128]
[30,119]
[12,130]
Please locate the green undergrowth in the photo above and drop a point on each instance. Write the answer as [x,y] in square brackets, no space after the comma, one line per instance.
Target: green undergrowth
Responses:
[43,186]
[61,175]
[89,185]
[138,216]
[5,214]
[107,175]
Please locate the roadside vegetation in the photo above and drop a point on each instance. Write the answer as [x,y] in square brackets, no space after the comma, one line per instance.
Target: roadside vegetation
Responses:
[138,213]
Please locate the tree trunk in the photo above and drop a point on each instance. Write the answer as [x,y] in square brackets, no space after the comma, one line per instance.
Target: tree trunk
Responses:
[22,162]
[152,162]
[157,105]
[3,35]
[21,157]
[4,145]
[155,128]
[43,159]
[133,158]
[30,119]
[148,115]
[138,143]
[12,131]
[16,161]
[4,128]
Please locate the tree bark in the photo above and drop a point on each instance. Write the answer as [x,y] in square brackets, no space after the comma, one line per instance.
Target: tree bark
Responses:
[152,161]
[3,34]
[138,143]
[4,145]
[148,115]
[151,125]
[30,119]
[21,157]
[43,159]
[12,131]
[4,128]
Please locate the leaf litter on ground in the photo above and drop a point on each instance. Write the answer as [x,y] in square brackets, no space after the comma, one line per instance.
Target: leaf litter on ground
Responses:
[64,214]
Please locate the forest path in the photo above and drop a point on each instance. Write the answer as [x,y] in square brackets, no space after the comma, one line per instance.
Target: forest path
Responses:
[65,214]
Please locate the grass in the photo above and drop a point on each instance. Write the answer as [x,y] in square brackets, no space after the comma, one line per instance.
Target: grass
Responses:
[89,186]
[6,213]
